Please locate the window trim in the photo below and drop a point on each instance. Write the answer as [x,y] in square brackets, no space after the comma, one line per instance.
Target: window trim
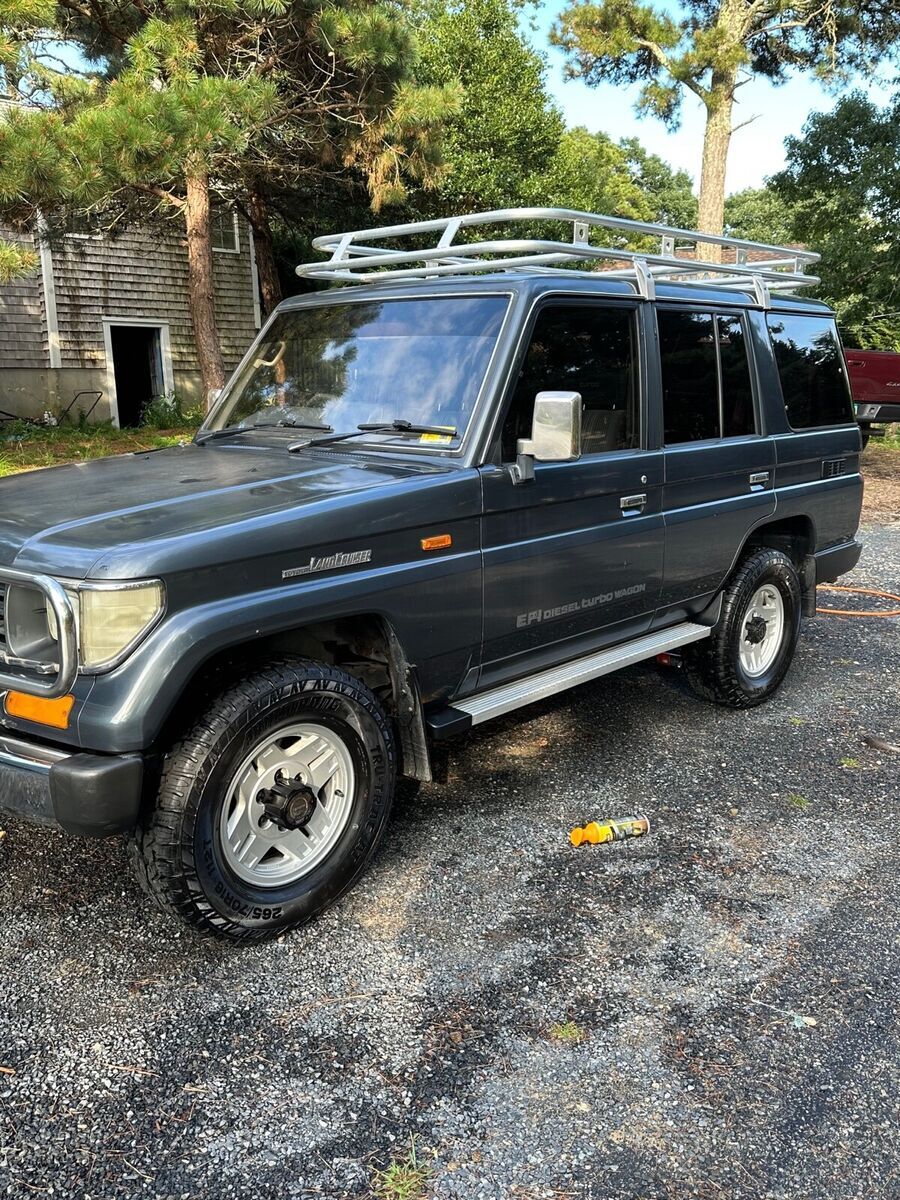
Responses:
[236,249]
[715,311]
[574,300]
[845,374]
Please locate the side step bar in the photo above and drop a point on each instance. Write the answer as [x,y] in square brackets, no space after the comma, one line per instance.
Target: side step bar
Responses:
[494,703]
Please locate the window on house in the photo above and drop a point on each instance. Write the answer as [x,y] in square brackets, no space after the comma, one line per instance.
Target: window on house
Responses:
[589,349]
[223,227]
[83,225]
[707,392]
[811,367]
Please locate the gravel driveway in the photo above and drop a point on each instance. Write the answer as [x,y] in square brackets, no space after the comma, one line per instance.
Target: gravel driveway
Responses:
[710,1011]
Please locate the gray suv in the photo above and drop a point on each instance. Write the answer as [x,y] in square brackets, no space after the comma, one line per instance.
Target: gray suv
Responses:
[466,480]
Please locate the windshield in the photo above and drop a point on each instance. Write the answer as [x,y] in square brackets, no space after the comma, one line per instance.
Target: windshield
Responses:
[332,368]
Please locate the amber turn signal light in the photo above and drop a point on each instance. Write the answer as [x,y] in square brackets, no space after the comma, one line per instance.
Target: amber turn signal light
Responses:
[54,713]
[440,541]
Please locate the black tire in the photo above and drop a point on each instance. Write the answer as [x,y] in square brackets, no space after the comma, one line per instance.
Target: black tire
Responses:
[713,667]
[177,848]
[865,435]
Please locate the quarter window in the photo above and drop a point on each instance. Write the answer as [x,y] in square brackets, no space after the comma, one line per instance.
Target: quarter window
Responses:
[811,367]
[737,392]
[588,349]
[707,392]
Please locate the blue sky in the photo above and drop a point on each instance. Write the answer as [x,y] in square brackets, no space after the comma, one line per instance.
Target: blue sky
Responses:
[757,150]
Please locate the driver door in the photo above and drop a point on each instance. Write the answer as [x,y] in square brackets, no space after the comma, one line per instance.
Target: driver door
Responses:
[573,559]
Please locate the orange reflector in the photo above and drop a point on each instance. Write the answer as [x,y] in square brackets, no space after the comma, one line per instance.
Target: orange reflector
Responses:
[55,713]
[440,541]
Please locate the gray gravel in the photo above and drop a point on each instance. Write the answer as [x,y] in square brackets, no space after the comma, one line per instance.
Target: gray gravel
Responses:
[730,980]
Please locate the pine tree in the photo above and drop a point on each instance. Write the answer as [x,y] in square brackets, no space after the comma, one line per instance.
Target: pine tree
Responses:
[710,47]
[21,72]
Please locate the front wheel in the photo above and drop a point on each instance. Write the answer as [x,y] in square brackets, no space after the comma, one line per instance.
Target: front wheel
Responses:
[751,647]
[271,806]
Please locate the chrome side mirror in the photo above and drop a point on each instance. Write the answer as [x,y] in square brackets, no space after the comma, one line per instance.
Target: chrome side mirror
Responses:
[555,433]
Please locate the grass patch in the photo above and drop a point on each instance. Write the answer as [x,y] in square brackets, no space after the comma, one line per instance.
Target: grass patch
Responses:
[404,1179]
[24,448]
[566,1031]
[797,801]
[851,763]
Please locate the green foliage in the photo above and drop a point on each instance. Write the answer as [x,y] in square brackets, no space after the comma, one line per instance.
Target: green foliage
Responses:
[709,47]
[842,185]
[502,141]
[797,800]
[759,215]
[170,412]
[15,261]
[705,41]
[669,193]
[567,1031]
[403,1179]
[590,172]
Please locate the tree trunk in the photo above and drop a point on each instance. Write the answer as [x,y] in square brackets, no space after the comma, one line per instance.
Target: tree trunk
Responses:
[200,283]
[269,282]
[716,141]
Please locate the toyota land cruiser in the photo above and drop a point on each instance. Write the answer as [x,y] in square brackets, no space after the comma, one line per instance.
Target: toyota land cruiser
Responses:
[470,478]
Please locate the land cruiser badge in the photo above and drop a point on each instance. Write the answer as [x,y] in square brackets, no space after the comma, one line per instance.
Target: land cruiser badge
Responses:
[329,564]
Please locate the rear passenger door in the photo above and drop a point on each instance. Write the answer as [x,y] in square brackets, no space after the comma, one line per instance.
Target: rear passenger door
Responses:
[719,466]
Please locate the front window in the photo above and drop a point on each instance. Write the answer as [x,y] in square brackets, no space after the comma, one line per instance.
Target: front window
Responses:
[331,368]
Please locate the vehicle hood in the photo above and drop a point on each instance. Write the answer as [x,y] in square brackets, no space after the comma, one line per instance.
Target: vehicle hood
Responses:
[188,506]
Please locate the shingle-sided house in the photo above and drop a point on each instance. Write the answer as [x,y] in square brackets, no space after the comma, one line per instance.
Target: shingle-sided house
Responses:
[111,316]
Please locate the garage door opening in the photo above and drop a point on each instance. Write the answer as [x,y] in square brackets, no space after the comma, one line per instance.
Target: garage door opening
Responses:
[138,368]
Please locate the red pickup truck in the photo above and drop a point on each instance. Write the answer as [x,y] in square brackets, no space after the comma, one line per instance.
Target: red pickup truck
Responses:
[875,384]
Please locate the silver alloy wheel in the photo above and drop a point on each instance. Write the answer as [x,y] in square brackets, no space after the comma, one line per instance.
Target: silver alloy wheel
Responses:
[257,849]
[762,630]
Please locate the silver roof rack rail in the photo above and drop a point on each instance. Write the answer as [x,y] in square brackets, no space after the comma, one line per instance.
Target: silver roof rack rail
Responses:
[430,249]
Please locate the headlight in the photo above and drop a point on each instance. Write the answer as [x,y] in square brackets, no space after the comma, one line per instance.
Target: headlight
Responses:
[112,619]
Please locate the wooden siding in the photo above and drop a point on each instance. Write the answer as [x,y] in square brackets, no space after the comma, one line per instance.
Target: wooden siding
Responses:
[143,274]
[23,327]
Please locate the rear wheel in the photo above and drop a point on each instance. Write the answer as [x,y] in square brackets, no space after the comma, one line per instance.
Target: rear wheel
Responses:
[750,649]
[271,806]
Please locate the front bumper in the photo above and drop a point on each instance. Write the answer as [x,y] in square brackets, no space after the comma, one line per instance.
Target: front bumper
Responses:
[95,795]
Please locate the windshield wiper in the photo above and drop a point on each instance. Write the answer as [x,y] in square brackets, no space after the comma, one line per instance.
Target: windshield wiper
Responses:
[401,427]
[232,430]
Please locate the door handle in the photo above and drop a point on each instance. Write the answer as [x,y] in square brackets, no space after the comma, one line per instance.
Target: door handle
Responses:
[758,480]
[632,504]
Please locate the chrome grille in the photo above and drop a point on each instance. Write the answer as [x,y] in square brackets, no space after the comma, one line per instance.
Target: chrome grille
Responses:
[2,616]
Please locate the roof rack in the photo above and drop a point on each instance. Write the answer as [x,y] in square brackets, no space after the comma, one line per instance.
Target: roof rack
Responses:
[756,266]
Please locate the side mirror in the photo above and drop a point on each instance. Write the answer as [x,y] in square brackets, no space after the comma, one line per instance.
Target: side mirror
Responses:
[555,433]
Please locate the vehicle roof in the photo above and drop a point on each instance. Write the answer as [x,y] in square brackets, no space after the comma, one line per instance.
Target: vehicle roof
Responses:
[537,282]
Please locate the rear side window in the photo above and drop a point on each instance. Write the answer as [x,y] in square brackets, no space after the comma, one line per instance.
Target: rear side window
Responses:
[705,376]
[811,367]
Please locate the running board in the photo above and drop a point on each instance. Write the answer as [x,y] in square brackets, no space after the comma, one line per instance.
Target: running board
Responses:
[483,707]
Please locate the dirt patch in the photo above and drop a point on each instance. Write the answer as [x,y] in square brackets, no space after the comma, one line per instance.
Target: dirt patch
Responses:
[881,470]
